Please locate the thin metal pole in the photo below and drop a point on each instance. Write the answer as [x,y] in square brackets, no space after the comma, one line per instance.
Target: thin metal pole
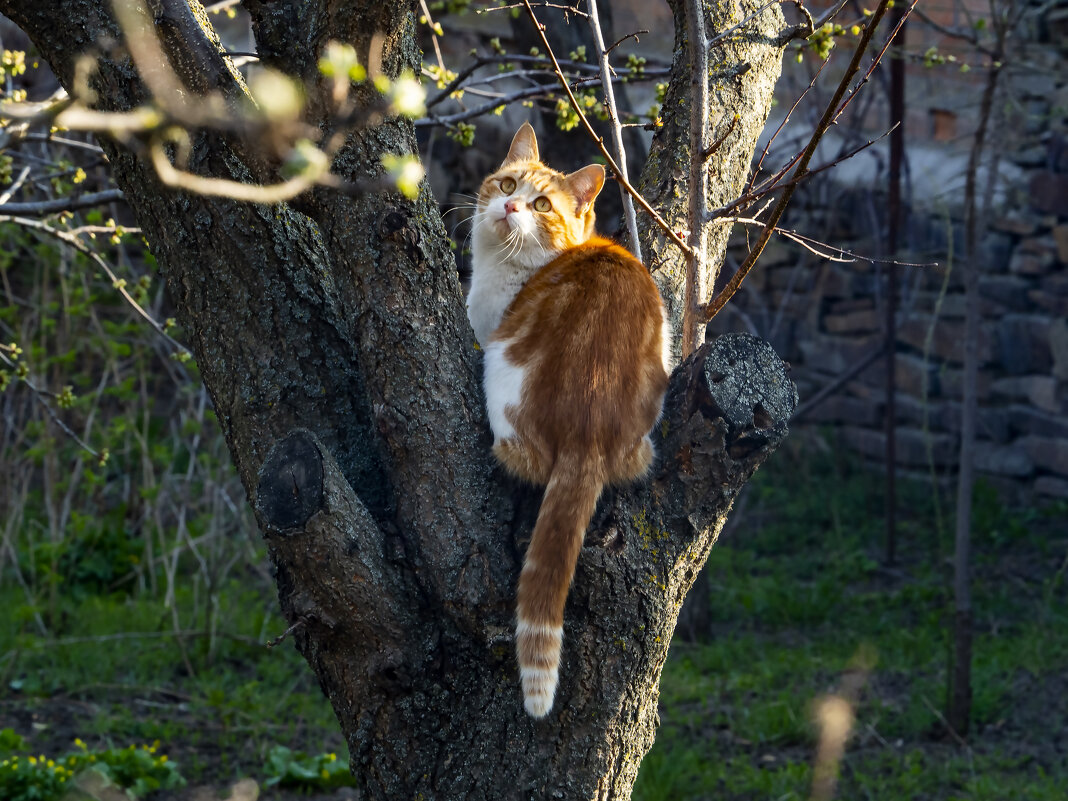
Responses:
[897,157]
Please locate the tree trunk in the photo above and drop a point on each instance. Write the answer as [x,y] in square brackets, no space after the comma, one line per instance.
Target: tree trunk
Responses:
[332,336]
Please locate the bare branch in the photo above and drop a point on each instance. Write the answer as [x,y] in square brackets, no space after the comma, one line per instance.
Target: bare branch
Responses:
[830,114]
[24,116]
[62,140]
[459,82]
[660,221]
[42,207]
[771,184]
[827,15]
[316,172]
[6,195]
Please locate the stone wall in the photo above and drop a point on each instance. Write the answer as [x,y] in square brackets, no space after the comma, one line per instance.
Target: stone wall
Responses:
[825,316]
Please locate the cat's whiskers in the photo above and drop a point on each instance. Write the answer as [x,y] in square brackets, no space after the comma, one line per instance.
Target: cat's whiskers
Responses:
[507,244]
[476,219]
[518,238]
[462,207]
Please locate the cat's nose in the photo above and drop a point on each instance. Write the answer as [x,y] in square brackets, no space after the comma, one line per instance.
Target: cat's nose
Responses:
[510,206]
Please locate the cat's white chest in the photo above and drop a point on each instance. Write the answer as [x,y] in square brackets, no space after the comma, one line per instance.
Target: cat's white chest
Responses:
[495,281]
[494,284]
[492,291]
[503,382]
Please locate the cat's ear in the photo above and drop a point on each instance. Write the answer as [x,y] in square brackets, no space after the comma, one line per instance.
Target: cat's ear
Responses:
[524,146]
[586,184]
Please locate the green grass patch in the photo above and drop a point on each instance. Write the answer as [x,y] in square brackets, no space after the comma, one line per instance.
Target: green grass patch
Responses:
[140,671]
[799,598]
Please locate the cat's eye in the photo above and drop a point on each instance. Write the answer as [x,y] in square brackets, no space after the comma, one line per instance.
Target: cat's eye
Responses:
[508,185]
[542,204]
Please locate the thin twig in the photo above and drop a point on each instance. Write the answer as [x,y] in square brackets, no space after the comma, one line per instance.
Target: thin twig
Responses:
[771,184]
[967,35]
[712,148]
[454,84]
[565,9]
[613,121]
[72,240]
[62,140]
[16,185]
[811,244]
[786,119]
[874,63]
[634,35]
[719,37]
[433,35]
[301,622]
[942,719]
[460,84]
[514,97]
[41,394]
[697,203]
[137,635]
[827,15]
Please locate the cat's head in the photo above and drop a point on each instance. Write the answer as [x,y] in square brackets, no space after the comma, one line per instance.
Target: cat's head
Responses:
[528,212]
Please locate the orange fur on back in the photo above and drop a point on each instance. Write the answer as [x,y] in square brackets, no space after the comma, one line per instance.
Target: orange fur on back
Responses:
[575,379]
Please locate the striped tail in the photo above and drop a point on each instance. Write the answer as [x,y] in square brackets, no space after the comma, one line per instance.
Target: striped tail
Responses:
[570,498]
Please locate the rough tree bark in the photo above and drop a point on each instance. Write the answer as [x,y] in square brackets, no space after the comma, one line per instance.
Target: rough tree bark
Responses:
[332,336]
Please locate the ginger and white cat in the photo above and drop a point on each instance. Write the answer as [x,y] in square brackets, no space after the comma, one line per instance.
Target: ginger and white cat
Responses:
[576,353]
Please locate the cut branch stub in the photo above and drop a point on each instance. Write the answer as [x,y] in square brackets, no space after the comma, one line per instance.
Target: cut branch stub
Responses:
[748,384]
[728,408]
[330,554]
[291,483]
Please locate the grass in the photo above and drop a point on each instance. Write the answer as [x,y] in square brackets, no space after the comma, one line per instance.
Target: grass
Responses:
[134,585]
[799,602]
[119,674]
